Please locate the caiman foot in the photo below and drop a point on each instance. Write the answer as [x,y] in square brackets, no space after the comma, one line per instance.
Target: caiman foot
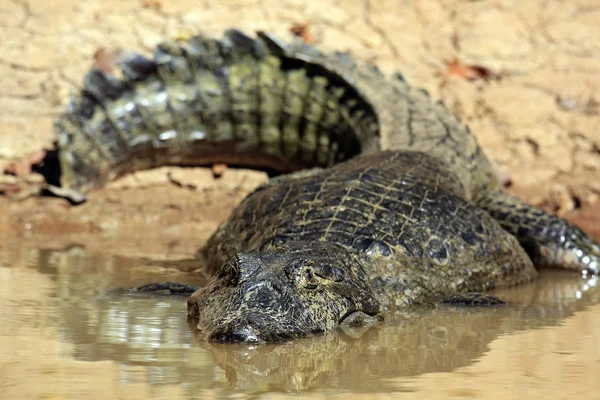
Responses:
[166,288]
[473,300]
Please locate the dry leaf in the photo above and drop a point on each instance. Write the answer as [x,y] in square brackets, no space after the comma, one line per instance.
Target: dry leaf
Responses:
[183,35]
[22,166]
[104,61]
[562,199]
[218,170]
[301,31]
[155,5]
[470,72]
[6,188]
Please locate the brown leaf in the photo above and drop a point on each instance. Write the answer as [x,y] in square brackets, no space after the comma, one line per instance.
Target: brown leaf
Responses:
[301,31]
[36,157]
[470,72]
[104,61]
[562,199]
[218,170]
[6,188]
[22,166]
[155,5]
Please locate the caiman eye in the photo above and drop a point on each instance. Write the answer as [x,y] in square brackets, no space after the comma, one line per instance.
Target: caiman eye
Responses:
[311,274]
[302,275]
[308,279]
[321,274]
[329,272]
[230,273]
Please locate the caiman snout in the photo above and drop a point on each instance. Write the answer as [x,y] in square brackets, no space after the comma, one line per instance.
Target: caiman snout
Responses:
[235,332]
[254,325]
[282,295]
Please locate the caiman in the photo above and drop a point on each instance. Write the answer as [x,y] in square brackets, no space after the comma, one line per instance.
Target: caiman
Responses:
[390,202]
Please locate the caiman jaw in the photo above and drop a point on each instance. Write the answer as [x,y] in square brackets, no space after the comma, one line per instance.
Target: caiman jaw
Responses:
[278,296]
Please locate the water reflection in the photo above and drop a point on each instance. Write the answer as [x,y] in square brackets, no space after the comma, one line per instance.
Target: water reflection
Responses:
[140,330]
[439,339]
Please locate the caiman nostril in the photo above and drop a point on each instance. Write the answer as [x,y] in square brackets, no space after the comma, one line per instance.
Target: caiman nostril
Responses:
[238,333]
[192,307]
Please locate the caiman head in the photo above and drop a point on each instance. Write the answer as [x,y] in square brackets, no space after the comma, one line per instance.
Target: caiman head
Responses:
[282,294]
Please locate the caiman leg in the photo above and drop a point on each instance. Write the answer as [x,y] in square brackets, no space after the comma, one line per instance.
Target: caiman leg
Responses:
[173,288]
[170,288]
[207,269]
[549,240]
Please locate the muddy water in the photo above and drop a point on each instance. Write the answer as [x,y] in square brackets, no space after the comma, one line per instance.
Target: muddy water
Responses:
[67,333]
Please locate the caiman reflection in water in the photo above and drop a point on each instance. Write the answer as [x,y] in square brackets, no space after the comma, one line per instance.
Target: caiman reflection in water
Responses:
[151,331]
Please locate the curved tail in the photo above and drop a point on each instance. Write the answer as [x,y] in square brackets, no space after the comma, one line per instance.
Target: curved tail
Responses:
[238,100]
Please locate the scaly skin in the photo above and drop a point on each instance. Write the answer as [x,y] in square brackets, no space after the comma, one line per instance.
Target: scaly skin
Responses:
[406,211]
[395,222]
